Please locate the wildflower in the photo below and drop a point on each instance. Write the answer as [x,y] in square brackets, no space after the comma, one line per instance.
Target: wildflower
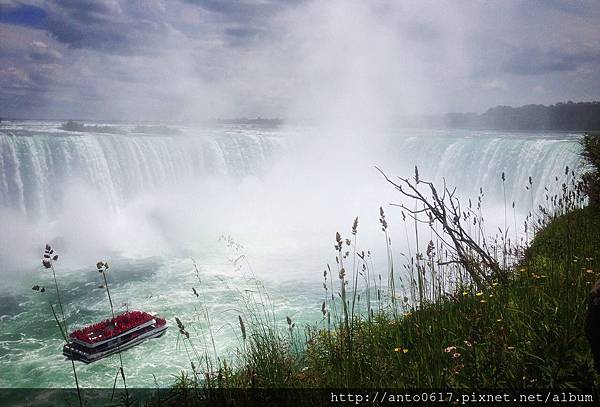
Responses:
[482,301]
[465,293]
[457,368]
[510,347]
[494,284]
[455,355]
[589,271]
[523,269]
[468,344]
[491,295]
[499,320]
[450,349]
[479,294]
[404,350]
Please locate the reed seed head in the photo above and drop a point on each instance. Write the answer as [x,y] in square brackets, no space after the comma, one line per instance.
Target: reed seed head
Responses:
[242,327]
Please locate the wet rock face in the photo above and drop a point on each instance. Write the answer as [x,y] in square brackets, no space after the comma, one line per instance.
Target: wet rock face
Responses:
[592,323]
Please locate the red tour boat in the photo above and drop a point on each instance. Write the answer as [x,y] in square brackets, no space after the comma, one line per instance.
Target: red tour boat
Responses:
[128,329]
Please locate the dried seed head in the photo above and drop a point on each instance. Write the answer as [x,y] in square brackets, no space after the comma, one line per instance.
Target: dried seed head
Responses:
[242,327]
[355,226]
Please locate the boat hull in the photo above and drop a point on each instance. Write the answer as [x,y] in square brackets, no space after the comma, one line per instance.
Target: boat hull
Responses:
[91,354]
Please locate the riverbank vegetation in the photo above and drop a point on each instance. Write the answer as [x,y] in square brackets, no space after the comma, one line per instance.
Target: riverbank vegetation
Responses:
[466,311]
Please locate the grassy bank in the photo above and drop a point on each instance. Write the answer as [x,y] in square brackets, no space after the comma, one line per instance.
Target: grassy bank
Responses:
[468,311]
[525,329]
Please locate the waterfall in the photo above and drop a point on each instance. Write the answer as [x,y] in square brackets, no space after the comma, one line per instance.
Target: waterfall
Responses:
[473,161]
[36,164]
[37,160]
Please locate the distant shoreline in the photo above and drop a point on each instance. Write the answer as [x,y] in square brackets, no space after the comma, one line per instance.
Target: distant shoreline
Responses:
[560,117]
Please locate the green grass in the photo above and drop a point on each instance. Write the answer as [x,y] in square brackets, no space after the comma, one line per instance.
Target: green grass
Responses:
[434,325]
[524,332]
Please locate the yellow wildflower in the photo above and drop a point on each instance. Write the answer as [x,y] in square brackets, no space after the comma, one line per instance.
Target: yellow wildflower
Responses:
[482,301]
[510,347]
[479,294]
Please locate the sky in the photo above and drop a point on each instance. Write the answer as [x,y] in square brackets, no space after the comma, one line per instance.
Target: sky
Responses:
[315,60]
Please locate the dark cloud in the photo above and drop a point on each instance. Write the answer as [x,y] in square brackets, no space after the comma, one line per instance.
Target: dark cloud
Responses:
[252,55]
[539,62]
[241,36]
[242,10]
[39,52]
[101,25]
[22,14]
[245,22]
[585,8]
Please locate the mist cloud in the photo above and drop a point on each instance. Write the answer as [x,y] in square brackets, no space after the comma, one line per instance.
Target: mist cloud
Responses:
[325,61]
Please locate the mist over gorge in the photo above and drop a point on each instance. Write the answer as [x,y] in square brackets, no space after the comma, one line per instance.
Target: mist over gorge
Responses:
[210,151]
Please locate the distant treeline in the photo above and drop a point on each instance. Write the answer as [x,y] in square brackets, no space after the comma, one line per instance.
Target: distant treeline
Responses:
[569,116]
[84,128]
[259,122]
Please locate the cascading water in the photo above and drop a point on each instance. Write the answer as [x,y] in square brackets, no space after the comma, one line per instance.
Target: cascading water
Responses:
[283,193]
[35,163]
[473,160]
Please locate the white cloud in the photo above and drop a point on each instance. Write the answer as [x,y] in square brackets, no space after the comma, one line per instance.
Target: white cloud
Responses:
[336,61]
